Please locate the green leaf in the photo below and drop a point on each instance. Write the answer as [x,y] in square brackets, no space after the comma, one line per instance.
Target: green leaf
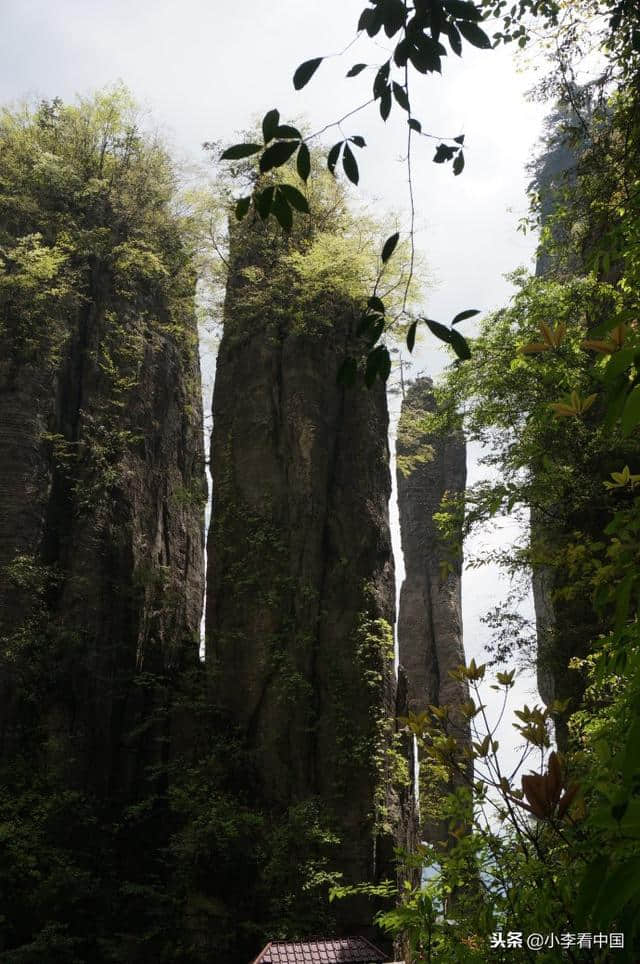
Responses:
[277,155]
[394,14]
[333,155]
[631,412]
[270,123]
[295,197]
[451,337]
[459,139]
[358,140]
[444,153]
[356,69]
[459,345]
[615,405]
[415,125]
[238,151]
[366,322]
[347,372]
[400,95]
[591,886]
[463,315]
[282,211]
[411,335]
[381,81]
[618,363]
[303,162]
[462,10]
[263,202]
[384,367]
[242,207]
[475,36]
[389,247]
[401,53]
[378,365]
[376,304]
[305,72]
[631,763]
[454,38]
[385,104]
[426,53]
[287,133]
[376,329]
[623,601]
[618,888]
[440,331]
[371,21]
[458,164]
[350,165]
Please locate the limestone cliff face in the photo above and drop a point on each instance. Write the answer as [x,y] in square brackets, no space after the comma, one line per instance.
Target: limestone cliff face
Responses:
[102,498]
[430,617]
[300,586]
[564,625]
[101,521]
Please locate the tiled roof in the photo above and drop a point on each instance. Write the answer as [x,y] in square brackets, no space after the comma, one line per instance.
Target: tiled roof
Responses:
[343,950]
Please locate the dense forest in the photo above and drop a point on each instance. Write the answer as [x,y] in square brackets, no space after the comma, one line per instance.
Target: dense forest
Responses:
[215,729]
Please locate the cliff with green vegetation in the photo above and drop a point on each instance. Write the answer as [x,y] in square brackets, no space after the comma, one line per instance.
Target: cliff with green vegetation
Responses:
[300,595]
[102,497]
[570,187]
[102,489]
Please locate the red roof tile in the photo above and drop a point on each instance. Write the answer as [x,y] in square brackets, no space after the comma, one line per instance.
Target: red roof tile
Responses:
[342,950]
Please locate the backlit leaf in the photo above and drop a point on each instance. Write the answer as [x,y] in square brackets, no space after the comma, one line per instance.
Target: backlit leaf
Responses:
[376,304]
[411,335]
[277,154]
[303,162]
[270,123]
[463,315]
[332,157]
[263,202]
[287,133]
[238,151]
[389,247]
[242,207]
[473,33]
[385,104]
[282,211]
[440,331]
[305,72]
[462,9]
[459,345]
[350,165]
[400,95]
[295,197]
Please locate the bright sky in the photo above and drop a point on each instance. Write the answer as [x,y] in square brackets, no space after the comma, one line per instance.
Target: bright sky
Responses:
[206,69]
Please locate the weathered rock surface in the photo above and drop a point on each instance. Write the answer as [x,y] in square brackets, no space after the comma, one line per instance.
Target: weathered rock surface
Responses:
[564,626]
[300,585]
[430,618]
[101,533]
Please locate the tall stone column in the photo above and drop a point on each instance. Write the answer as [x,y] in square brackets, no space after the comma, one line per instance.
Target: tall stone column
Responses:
[430,618]
[300,585]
